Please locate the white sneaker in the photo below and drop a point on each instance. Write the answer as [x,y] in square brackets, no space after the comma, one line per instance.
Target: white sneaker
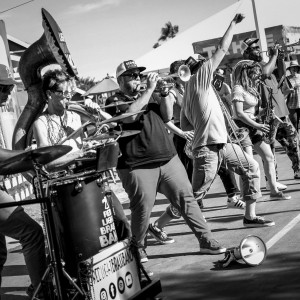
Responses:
[280,196]
[235,202]
[280,186]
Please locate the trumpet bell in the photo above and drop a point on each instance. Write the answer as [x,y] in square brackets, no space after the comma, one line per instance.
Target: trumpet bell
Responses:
[184,73]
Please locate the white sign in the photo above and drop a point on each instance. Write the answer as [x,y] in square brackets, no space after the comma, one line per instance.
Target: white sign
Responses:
[115,274]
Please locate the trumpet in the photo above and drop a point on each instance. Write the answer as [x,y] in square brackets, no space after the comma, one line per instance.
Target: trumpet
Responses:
[283,49]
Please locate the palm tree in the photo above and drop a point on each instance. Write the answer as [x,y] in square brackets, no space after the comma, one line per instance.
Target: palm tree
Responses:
[86,83]
[167,32]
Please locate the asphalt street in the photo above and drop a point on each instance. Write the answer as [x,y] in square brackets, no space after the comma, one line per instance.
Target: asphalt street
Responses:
[185,274]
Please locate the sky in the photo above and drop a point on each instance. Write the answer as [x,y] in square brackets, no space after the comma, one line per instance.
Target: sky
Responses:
[100,34]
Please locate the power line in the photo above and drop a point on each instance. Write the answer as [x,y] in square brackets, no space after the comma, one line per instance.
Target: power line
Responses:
[15,6]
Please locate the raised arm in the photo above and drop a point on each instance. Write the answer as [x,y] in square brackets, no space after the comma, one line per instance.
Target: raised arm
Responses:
[268,68]
[143,100]
[225,42]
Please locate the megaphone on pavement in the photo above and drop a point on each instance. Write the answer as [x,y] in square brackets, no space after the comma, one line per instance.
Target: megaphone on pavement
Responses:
[252,250]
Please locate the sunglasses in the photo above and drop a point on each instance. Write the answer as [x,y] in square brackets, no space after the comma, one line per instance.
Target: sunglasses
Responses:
[132,75]
[5,89]
[254,48]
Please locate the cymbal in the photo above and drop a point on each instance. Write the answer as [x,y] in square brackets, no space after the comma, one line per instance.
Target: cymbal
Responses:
[25,161]
[116,103]
[120,117]
[112,135]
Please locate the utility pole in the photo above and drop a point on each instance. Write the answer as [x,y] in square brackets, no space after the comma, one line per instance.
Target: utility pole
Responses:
[260,32]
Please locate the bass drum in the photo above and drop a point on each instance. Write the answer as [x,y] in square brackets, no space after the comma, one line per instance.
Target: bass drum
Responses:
[83,218]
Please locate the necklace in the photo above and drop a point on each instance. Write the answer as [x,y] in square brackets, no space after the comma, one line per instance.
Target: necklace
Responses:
[57,128]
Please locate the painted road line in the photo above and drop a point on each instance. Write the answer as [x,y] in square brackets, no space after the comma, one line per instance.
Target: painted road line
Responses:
[282,232]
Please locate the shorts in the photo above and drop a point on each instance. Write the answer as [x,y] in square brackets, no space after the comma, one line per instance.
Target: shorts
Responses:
[255,135]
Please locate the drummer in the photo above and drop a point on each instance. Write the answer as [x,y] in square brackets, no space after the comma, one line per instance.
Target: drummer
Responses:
[14,222]
[56,123]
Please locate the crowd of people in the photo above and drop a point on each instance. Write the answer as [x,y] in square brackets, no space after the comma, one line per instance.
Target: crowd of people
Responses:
[155,159]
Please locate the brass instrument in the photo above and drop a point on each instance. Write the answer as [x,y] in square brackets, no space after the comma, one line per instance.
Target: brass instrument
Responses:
[184,73]
[235,136]
[51,48]
[270,118]
[283,49]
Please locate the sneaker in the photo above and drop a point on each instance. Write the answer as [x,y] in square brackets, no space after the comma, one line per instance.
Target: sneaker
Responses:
[258,222]
[280,186]
[211,246]
[143,255]
[160,235]
[280,196]
[235,202]
[297,175]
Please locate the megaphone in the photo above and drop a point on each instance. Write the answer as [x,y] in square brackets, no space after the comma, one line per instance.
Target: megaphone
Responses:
[252,250]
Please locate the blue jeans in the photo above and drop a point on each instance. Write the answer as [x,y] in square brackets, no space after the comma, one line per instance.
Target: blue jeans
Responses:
[170,178]
[29,233]
[207,161]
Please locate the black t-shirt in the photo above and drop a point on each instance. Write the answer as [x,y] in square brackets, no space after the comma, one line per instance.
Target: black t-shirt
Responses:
[152,145]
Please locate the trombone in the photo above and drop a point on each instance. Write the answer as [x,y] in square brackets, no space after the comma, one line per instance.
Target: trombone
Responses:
[235,135]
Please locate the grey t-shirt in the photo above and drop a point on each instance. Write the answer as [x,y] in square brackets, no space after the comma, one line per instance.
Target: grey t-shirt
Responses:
[202,109]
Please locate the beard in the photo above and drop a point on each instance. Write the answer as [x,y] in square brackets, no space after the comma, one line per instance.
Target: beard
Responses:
[132,89]
[255,57]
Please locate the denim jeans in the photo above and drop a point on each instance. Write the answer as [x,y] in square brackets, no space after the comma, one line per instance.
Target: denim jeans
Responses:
[207,161]
[228,180]
[170,178]
[29,233]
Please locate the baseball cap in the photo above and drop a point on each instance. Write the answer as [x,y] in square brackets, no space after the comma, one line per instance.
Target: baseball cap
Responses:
[128,65]
[5,76]
[248,42]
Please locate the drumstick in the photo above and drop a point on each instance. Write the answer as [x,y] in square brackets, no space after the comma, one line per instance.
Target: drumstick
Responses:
[74,132]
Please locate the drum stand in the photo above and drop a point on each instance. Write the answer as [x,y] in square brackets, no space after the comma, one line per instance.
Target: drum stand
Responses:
[56,264]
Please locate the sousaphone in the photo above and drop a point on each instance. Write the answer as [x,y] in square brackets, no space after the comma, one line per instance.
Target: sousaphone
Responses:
[51,48]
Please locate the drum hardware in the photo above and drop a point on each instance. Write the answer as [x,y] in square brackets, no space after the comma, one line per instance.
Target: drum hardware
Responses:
[78,187]
[36,159]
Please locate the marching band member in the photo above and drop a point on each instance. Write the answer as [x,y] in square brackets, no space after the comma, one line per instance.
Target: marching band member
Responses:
[170,107]
[14,222]
[56,123]
[286,133]
[150,164]
[201,111]
[245,97]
